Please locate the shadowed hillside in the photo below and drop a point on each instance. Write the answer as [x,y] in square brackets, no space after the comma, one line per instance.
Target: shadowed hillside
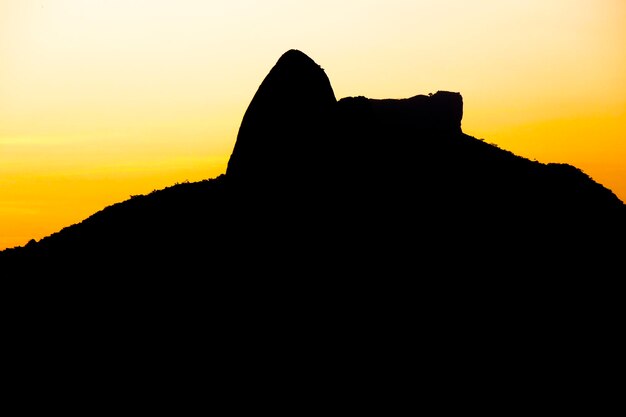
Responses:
[351,185]
[353,235]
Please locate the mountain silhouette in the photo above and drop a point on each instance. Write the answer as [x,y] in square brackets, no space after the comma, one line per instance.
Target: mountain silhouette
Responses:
[287,126]
[353,235]
[355,184]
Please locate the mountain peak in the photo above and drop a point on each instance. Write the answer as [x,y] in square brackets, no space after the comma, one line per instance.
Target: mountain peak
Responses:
[295,57]
[358,186]
[283,121]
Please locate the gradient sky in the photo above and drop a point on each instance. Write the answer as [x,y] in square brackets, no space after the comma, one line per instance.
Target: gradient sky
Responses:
[104,99]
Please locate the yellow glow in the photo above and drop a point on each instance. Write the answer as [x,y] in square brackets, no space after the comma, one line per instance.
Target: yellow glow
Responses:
[103,99]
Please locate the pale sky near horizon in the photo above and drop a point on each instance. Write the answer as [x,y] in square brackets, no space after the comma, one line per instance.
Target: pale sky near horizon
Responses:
[103,99]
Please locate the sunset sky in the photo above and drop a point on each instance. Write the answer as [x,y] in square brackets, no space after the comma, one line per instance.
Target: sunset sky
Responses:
[104,99]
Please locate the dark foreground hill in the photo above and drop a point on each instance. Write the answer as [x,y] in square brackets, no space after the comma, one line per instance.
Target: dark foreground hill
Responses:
[370,240]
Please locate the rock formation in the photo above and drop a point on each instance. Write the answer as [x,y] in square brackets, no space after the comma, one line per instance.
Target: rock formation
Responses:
[284,132]
[385,181]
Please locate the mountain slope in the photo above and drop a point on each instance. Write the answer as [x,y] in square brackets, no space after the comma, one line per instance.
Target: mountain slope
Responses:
[350,235]
[354,184]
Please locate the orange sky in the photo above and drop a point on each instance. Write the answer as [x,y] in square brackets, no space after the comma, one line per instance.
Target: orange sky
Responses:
[103,99]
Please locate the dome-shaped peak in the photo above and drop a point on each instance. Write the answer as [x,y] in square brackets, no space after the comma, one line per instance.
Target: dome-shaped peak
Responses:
[295,57]
[285,126]
[295,73]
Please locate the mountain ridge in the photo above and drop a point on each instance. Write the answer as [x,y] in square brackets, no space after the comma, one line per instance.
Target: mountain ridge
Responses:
[378,230]
[307,166]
